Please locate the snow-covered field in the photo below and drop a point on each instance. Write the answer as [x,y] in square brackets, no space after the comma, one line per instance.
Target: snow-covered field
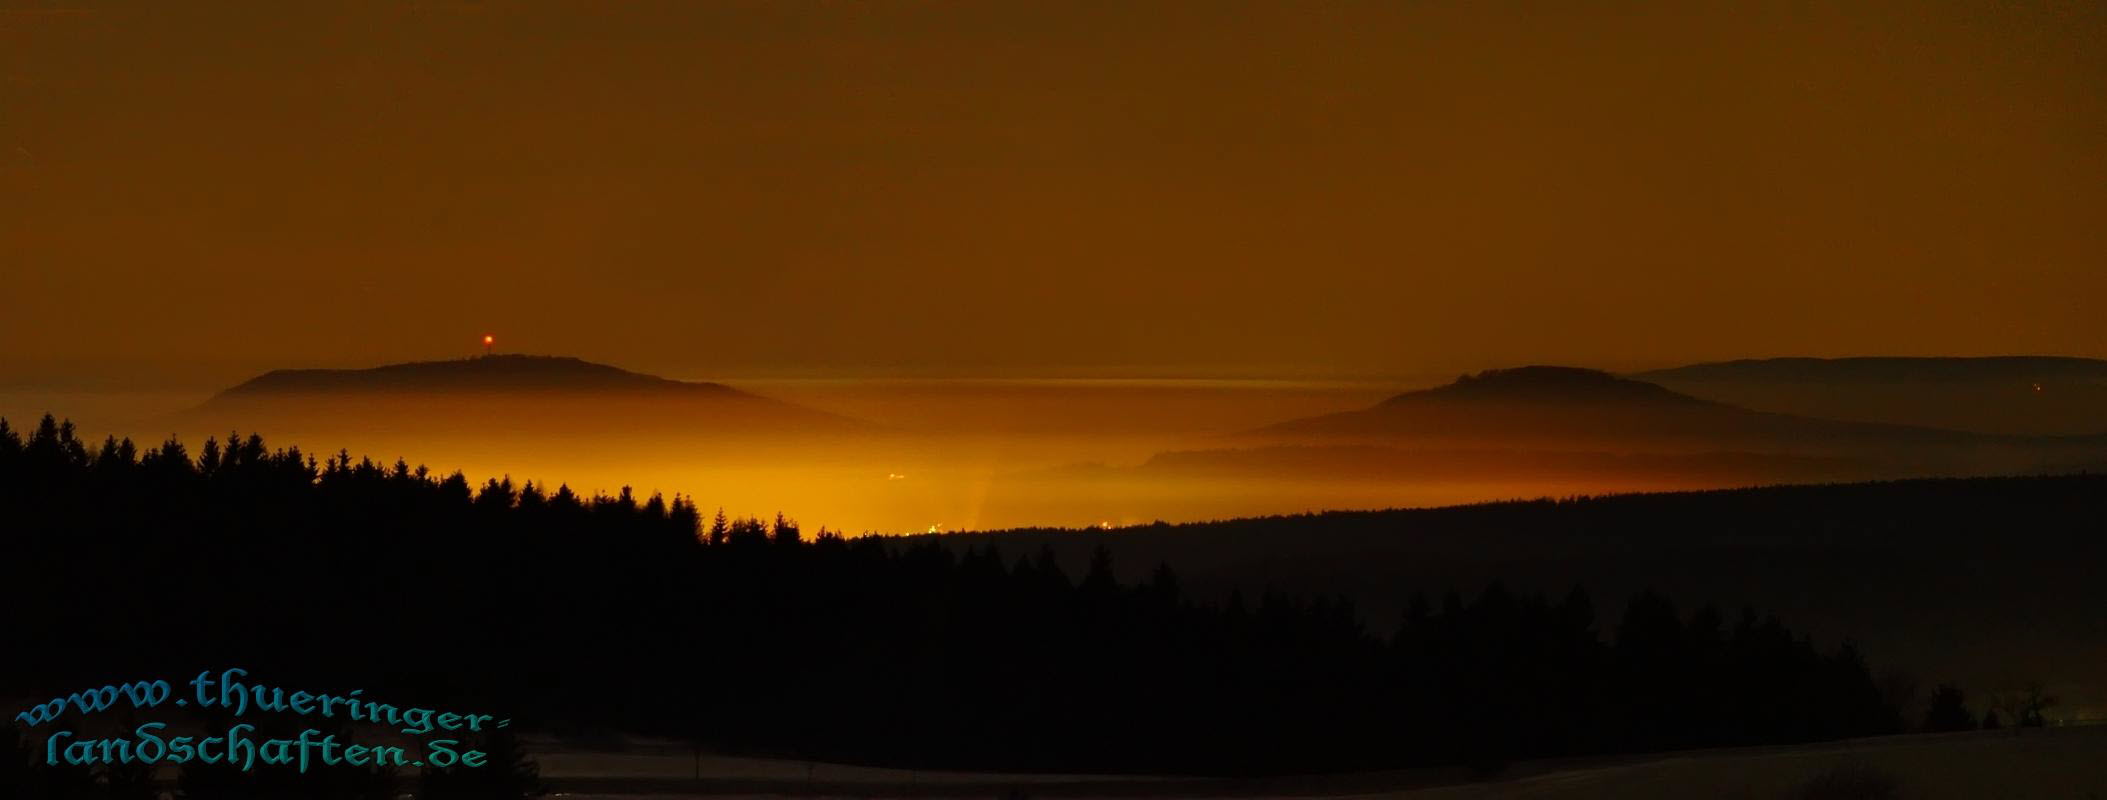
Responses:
[2060,763]
[2044,763]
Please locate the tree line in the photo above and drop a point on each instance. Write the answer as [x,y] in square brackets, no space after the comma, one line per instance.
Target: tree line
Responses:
[594,612]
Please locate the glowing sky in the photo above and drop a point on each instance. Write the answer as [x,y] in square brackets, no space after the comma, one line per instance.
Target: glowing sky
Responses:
[1310,188]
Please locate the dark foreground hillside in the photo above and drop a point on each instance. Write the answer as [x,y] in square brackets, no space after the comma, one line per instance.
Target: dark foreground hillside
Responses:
[1991,582]
[638,614]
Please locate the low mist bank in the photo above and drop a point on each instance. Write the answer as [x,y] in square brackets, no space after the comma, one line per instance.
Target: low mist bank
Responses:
[917,455]
[934,453]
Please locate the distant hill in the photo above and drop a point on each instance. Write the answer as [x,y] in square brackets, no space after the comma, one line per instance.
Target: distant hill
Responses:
[2035,395]
[1563,408]
[1548,383]
[1890,369]
[486,373]
[512,392]
[1571,429]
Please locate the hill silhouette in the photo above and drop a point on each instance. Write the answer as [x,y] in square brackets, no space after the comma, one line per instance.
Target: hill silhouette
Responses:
[2034,395]
[1890,369]
[513,393]
[1567,408]
[1542,383]
[1558,430]
[483,373]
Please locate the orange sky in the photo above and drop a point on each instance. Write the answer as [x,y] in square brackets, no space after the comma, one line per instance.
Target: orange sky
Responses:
[1047,188]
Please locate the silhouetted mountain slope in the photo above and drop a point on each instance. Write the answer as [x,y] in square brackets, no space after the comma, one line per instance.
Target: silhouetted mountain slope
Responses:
[552,394]
[1888,369]
[486,373]
[1565,408]
[1536,422]
[2037,395]
[1548,383]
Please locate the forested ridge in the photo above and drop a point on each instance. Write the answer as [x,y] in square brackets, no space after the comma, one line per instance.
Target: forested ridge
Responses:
[648,615]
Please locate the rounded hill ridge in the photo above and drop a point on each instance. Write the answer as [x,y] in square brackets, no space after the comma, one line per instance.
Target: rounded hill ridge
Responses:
[1548,383]
[494,372]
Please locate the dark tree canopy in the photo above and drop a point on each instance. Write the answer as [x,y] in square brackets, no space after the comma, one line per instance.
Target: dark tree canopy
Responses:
[633,614]
[1948,711]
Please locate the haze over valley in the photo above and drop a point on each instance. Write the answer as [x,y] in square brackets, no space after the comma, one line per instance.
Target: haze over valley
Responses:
[911,455]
